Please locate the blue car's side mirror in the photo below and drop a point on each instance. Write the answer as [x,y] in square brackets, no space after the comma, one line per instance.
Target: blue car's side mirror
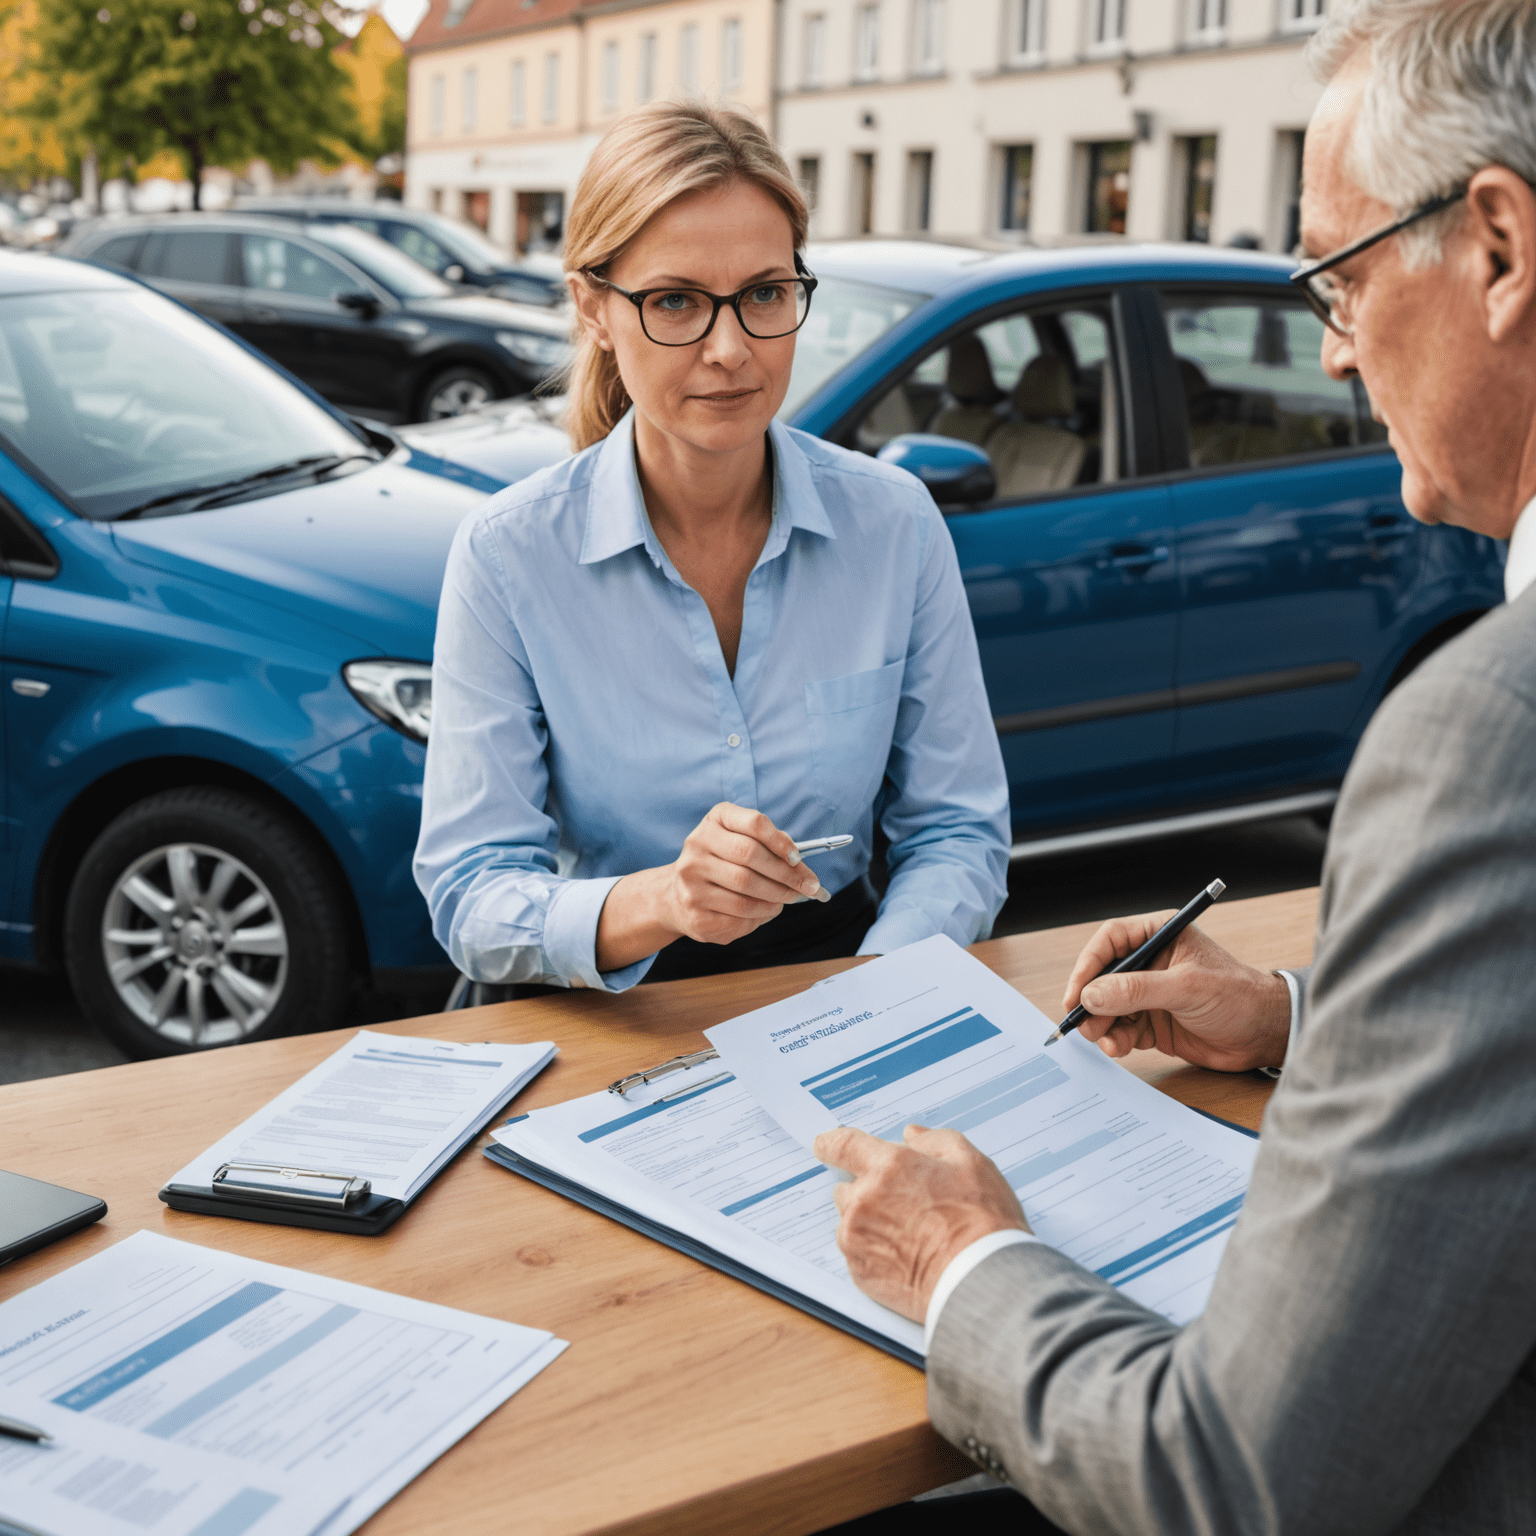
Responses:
[955,472]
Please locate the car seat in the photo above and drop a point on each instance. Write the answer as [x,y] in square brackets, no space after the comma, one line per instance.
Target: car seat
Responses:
[1032,454]
[969,383]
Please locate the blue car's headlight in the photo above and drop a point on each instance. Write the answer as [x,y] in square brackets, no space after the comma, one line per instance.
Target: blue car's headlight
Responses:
[398,692]
[541,351]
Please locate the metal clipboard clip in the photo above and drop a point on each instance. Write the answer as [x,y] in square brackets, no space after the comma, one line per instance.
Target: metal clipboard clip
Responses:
[677,1064]
[292,1186]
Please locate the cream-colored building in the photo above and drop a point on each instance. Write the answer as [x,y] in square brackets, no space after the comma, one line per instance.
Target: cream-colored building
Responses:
[1159,119]
[508,97]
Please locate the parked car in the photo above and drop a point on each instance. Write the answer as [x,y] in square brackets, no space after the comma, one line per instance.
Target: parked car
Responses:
[366,326]
[217,602]
[1190,569]
[457,253]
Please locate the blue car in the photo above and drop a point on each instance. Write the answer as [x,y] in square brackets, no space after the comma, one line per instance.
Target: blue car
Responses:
[218,598]
[1190,569]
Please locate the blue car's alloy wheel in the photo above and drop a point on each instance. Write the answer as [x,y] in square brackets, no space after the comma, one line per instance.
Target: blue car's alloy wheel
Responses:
[202,918]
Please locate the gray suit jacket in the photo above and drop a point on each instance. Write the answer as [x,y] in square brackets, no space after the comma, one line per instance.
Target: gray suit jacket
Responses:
[1366,1361]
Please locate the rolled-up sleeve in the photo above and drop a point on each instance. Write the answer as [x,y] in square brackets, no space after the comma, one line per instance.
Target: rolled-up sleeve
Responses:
[487,858]
[944,805]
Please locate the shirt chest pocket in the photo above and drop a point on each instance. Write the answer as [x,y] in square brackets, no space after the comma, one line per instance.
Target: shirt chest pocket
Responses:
[852,720]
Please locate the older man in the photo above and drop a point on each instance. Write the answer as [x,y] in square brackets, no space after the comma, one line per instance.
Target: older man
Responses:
[1367,1362]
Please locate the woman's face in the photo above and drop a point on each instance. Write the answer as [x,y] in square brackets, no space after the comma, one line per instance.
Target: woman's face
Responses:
[719,394]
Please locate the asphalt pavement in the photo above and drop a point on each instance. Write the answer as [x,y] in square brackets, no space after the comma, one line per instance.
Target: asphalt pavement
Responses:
[43,1033]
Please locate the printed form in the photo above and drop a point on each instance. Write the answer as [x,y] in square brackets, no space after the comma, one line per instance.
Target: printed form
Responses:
[194,1393]
[392,1109]
[1118,1176]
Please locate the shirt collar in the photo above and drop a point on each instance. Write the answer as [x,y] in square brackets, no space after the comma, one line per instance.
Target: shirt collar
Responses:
[616,517]
[1520,562]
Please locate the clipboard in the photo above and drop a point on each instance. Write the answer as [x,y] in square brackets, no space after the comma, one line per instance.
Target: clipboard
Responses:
[289,1197]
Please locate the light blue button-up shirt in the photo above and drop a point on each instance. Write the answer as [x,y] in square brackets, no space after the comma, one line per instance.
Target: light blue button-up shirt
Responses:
[584,721]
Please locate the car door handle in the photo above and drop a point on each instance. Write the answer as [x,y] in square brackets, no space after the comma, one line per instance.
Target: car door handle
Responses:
[264,313]
[1383,529]
[1136,557]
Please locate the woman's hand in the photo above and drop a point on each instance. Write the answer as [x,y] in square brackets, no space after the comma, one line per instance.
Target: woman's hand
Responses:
[1197,1002]
[736,872]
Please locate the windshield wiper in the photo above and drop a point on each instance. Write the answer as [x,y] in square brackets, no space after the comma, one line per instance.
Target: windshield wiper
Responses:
[212,495]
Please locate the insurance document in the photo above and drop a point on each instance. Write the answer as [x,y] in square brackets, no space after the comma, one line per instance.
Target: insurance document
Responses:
[194,1393]
[392,1109]
[1118,1176]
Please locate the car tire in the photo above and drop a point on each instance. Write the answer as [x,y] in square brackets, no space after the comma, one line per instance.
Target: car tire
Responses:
[200,918]
[454,391]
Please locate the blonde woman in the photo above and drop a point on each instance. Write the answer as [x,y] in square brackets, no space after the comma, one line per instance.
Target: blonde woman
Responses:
[705,636]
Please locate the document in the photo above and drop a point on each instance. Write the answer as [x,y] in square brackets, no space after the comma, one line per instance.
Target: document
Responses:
[393,1109]
[194,1393]
[1116,1175]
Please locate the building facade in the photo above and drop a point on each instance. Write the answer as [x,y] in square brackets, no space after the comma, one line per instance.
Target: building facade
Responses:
[1015,119]
[508,97]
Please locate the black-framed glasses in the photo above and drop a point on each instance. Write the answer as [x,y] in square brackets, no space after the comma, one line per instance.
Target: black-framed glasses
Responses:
[1325,295]
[679,317]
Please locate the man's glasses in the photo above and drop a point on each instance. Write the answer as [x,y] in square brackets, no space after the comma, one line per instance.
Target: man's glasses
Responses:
[1326,295]
[678,317]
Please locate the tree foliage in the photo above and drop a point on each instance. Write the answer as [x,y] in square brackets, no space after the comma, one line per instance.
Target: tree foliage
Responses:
[217,82]
[376,62]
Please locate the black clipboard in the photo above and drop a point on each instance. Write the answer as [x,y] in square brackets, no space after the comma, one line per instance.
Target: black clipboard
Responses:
[367,1218]
[506,1158]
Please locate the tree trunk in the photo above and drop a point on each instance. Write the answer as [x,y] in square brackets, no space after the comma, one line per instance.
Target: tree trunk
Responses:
[195,162]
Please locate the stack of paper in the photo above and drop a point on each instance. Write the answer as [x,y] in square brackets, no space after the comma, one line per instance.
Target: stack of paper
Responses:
[393,1109]
[1119,1177]
[192,1393]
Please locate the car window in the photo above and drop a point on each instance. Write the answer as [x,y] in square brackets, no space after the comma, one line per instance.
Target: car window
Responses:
[1253,380]
[195,256]
[280,266]
[391,269]
[418,246]
[121,397]
[846,318]
[1038,390]
[119,251]
[368,226]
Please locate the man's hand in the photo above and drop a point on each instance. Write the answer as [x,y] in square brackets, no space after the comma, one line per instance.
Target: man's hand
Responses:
[1198,1001]
[911,1209]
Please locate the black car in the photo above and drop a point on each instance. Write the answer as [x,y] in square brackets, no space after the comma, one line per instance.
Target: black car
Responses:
[458,253]
[351,316]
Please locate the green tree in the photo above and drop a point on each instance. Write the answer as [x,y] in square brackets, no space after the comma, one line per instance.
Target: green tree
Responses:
[214,81]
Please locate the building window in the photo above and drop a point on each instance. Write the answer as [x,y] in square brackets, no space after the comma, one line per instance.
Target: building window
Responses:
[808,174]
[435,197]
[1207,21]
[866,42]
[551,105]
[730,55]
[1288,165]
[538,221]
[610,77]
[1199,187]
[1108,28]
[814,54]
[477,209]
[920,190]
[646,84]
[1018,178]
[1302,15]
[436,110]
[1109,187]
[469,105]
[863,194]
[688,58]
[518,107]
[1025,42]
[928,37]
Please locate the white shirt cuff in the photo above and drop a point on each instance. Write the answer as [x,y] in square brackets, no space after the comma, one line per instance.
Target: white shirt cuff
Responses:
[960,1266]
[1294,988]
[570,938]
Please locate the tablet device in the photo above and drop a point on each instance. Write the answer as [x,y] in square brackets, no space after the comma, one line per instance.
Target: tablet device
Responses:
[33,1214]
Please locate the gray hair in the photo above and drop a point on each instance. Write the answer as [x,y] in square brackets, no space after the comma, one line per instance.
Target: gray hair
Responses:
[1452,89]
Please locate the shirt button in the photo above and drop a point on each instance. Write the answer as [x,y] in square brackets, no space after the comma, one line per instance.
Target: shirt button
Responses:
[733,740]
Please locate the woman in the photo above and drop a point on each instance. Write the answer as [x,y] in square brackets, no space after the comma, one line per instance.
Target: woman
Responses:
[705,636]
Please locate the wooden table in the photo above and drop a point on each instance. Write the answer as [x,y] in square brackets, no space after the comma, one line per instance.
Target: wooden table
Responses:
[688,1402]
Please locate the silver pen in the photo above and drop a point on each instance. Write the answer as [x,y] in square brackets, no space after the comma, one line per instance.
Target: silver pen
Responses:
[823,844]
[17,1430]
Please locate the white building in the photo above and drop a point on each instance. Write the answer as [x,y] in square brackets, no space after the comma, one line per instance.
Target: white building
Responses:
[1157,119]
